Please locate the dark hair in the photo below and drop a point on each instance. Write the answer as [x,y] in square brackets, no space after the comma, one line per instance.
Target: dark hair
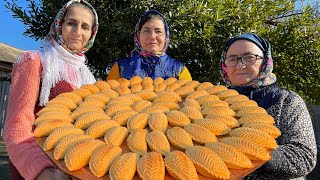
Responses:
[151,15]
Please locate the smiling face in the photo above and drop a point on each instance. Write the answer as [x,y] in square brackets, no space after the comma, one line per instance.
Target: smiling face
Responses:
[77,27]
[152,42]
[243,74]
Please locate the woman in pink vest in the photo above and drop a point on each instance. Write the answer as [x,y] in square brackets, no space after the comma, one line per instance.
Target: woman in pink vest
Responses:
[39,76]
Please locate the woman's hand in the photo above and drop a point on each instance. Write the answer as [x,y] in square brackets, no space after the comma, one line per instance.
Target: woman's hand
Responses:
[53,174]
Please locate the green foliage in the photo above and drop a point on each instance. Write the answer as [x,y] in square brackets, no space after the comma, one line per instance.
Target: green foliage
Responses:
[198,32]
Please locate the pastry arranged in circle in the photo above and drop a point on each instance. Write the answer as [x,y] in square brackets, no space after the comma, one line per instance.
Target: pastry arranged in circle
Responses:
[179,126]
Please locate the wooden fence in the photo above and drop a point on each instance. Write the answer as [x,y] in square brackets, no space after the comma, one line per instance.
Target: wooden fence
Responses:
[4,93]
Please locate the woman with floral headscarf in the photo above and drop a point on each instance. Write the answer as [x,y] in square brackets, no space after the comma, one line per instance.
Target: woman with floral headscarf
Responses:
[149,58]
[246,65]
[39,76]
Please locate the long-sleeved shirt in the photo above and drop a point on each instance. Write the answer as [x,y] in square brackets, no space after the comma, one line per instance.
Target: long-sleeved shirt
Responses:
[24,152]
[296,155]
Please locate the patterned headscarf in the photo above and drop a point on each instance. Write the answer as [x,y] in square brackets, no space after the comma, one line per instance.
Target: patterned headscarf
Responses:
[143,19]
[55,32]
[266,77]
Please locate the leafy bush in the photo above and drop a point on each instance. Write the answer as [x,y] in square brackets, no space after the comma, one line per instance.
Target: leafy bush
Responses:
[198,32]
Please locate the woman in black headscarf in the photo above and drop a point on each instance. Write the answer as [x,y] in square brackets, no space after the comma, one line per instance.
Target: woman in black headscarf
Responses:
[246,65]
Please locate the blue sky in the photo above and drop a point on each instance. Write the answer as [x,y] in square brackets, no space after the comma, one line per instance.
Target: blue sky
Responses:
[11,32]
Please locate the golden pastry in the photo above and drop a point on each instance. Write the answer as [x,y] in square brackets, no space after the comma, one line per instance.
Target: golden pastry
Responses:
[184,91]
[158,121]
[235,99]
[92,88]
[84,121]
[180,166]
[116,135]
[193,103]
[100,97]
[124,167]
[203,99]
[93,102]
[102,85]
[155,109]
[73,96]
[66,142]
[164,94]
[218,110]
[230,155]
[138,121]
[170,80]
[173,87]
[140,105]
[168,104]
[102,158]
[182,82]
[111,111]
[256,136]
[113,83]
[54,108]
[208,163]
[124,82]
[251,110]
[204,86]
[214,103]
[148,87]
[136,88]
[264,127]
[135,80]
[51,116]
[197,94]
[133,97]
[82,92]
[177,118]
[167,96]
[251,149]
[120,101]
[122,90]
[159,87]
[215,126]
[192,113]
[157,141]
[79,154]
[179,138]
[241,104]
[263,118]
[99,128]
[57,134]
[227,93]
[200,134]
[137,141]
[46,127]
[147,80]
[231,122]
[151,166]
[193,84]
[158,80]
[216,89]
[83,110]
[66,102]
[147,95]
[122,117]
[111,93]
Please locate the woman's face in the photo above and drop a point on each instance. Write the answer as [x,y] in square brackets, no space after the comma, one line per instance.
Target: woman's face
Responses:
[77,27]
[242,74]
[153,35]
